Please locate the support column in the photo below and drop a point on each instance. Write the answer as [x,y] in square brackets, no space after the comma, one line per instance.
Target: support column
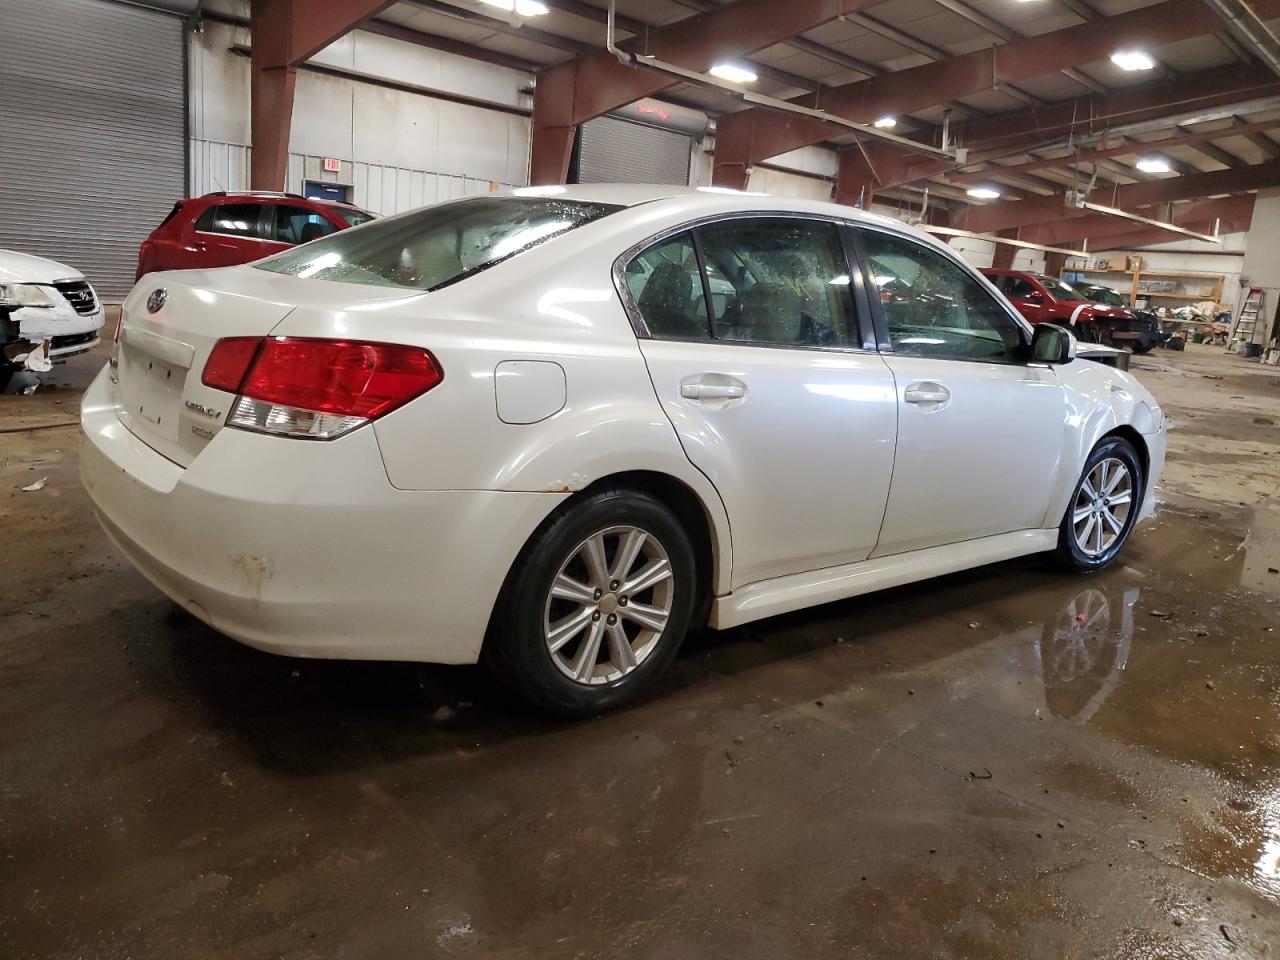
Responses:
[863,171]
[1261,267]
[553,129]
[1005,252]
[1053,263]
[270,117]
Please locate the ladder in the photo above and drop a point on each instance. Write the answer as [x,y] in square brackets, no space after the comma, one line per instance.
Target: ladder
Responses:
[1247,318]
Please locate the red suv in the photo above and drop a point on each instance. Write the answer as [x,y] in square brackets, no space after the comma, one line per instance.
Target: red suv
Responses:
[223,229]
[1044,299]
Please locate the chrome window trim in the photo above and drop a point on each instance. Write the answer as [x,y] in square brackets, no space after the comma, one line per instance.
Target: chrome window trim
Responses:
[641,329]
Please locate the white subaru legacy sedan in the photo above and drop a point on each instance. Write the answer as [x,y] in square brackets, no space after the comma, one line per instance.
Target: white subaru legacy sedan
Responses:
[556,428]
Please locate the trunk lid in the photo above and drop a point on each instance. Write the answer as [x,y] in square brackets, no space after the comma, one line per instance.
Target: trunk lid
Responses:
[161,354]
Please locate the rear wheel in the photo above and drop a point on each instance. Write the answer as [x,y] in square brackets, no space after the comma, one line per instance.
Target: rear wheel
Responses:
[596,606]
[1103,508]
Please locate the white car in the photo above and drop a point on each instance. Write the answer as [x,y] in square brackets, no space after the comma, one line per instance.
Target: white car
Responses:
[460,433]
[54,309]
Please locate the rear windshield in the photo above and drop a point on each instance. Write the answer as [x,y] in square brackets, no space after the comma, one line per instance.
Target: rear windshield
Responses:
[429,248]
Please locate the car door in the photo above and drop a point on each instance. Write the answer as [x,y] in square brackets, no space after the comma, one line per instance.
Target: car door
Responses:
[776,391]
[981,430]
[230,233]
[1027,297]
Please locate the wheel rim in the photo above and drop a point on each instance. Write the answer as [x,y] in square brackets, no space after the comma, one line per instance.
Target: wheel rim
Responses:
[1103,501]
[608,605]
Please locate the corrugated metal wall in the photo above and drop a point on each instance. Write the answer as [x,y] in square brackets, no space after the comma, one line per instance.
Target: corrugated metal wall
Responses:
[91,132]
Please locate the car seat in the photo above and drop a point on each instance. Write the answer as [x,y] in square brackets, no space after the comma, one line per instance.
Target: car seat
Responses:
[666,305]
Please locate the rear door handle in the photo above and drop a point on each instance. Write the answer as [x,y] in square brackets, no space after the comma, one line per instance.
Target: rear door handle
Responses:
[702,390]
[926,391]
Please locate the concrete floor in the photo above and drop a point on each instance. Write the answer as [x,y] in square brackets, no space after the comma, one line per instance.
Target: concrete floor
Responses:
[1011,762]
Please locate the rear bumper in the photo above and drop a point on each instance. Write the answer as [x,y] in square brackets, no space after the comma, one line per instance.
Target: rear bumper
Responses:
[304,548]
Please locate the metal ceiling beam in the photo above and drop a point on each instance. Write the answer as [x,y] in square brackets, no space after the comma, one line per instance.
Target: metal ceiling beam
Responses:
[286,34]
[570,93]
[1184,137]
[435,42]
[1008,34]
[752,135]
[1092,225]
[1254,133]
[1129,197]
[1217,154]
[1246,25]
[1088,122]
[1144,238]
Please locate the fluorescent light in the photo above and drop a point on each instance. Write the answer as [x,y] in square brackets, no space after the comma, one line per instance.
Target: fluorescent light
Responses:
[1132,60]
[1153,165]
[733,73]
[523,8]
[886,123]
[984,193]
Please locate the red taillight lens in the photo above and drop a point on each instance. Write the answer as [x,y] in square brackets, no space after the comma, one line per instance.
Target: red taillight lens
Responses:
[317,389]
[343,377]
[229,362]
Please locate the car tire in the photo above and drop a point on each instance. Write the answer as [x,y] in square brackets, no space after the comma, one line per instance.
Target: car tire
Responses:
[1097,522]
[571,571]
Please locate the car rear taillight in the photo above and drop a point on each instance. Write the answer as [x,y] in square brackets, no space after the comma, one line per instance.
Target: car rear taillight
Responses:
[316,389]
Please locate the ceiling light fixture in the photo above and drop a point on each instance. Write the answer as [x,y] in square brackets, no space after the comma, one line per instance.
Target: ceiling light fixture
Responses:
[886,123]
[733,73]
[984,193]
[1132,60]
[1154,165]
[521,8]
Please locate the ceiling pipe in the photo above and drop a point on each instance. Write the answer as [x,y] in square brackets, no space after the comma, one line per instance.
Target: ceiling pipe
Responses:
[1247,27]
[1163,225]
[1024,244]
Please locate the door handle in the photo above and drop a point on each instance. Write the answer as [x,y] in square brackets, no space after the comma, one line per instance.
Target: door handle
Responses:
[926,392]
[713,391]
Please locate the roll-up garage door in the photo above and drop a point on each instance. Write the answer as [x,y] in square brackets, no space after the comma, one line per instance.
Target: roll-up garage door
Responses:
[92,144]
[618,151]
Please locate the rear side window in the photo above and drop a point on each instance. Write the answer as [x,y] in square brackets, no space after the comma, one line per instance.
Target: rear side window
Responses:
[232,219]
[778,280]
[354,217]
[298,225]
[666,287]
[429,248]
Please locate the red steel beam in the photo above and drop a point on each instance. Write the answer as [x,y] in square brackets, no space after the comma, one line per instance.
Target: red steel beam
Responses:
[287,33]
[756,134]
[570,93]
[1150,235]
[1021,213]
[1100,224]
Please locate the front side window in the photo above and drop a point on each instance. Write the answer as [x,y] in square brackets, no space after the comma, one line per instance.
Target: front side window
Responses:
[429,248]
[1060,290]
[353,216]
[778,280]
[232,219]
[295,225]
[665,286]
[933,307]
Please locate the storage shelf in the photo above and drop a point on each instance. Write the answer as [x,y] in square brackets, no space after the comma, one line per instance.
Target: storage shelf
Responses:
[1177,296]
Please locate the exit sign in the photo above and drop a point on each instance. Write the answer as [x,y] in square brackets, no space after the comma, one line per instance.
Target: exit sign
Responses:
[332,165]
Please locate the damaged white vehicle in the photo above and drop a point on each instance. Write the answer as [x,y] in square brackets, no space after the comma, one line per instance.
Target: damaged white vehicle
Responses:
[557,428]
[48,312]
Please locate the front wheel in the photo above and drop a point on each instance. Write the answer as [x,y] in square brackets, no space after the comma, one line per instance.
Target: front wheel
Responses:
[1103,508]
[596,606]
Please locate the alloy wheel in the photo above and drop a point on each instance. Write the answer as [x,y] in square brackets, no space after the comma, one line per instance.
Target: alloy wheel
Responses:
[1102,506]
[608,605]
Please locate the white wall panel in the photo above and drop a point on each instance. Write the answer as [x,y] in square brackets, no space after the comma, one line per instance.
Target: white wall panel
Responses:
[782,184]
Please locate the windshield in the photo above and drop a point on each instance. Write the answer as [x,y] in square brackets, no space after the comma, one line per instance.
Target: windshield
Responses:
[1060,290]
[1101,294]
[429,248]
[354,217]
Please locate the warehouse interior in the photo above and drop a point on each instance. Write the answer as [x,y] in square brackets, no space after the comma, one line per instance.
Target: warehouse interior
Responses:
[1008,761]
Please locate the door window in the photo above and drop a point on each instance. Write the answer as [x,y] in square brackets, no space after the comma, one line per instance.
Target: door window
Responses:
[778,280]
[298,224]
[232,219]
[933,307]
[665,287]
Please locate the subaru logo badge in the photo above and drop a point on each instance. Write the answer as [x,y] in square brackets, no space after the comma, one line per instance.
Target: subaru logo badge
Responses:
[157,299]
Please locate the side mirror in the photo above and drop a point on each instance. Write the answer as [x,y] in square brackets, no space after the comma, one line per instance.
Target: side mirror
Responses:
[1051,343]
[1034,295]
